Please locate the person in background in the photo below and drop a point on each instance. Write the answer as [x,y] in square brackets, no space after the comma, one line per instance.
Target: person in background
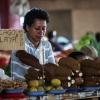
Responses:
[51,35]
[86,52]
[35,24]
[78,55]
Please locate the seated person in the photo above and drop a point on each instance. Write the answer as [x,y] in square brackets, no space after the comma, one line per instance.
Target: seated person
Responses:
[78,55]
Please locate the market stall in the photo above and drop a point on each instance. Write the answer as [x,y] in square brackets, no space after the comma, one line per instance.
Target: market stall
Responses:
[68,79]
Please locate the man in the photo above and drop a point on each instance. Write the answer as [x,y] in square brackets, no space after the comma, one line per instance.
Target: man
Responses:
[35,24]
[78,55]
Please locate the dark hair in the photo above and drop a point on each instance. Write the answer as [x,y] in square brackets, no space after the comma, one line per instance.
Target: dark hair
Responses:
[76,54]
[34,13]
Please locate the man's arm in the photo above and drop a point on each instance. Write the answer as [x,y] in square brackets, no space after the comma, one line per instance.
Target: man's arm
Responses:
[31,60]
[28,59]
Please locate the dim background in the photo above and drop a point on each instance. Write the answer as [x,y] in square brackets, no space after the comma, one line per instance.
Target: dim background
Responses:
[70,18]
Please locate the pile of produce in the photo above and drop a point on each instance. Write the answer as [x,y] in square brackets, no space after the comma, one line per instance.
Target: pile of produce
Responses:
[68,73]
[39,85]
[35,85]
[91,72]
[55,85]
[12,84]
[32,74]
[73,66]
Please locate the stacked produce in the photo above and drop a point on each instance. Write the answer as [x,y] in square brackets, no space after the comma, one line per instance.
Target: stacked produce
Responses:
[36,82]
[39,85]
[67,71]
[64,74]
[59,72]
[73,66]
[91,72]
[32,74]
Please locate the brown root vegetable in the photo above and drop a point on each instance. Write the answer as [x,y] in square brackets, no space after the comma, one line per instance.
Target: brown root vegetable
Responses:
[97,59]
[63,71]
[60,72]
[72,81]
[53,64]
[90,71]
[73,86]
[78,80]
[89,83]
[64,78]
[50,71]
[28,77]
[71,63]
[33,73]
[65,84]
[47,79]
[92,78]
[88,63]
[80,74]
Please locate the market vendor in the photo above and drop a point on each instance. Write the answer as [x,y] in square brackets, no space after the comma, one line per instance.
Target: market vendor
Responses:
[35,24]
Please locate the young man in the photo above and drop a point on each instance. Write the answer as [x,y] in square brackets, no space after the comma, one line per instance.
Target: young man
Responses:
[35,24]
[78,55]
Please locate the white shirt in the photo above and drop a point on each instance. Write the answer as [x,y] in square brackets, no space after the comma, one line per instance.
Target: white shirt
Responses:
[19,69]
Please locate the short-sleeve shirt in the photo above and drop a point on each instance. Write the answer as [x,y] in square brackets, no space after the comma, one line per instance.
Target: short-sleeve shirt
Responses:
[19,69]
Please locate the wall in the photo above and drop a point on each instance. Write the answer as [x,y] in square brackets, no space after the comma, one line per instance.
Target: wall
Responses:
[65,4]
[71,18]
[84,21]
[61,22]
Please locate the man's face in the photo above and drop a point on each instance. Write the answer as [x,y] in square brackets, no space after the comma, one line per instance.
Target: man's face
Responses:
[37,30]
